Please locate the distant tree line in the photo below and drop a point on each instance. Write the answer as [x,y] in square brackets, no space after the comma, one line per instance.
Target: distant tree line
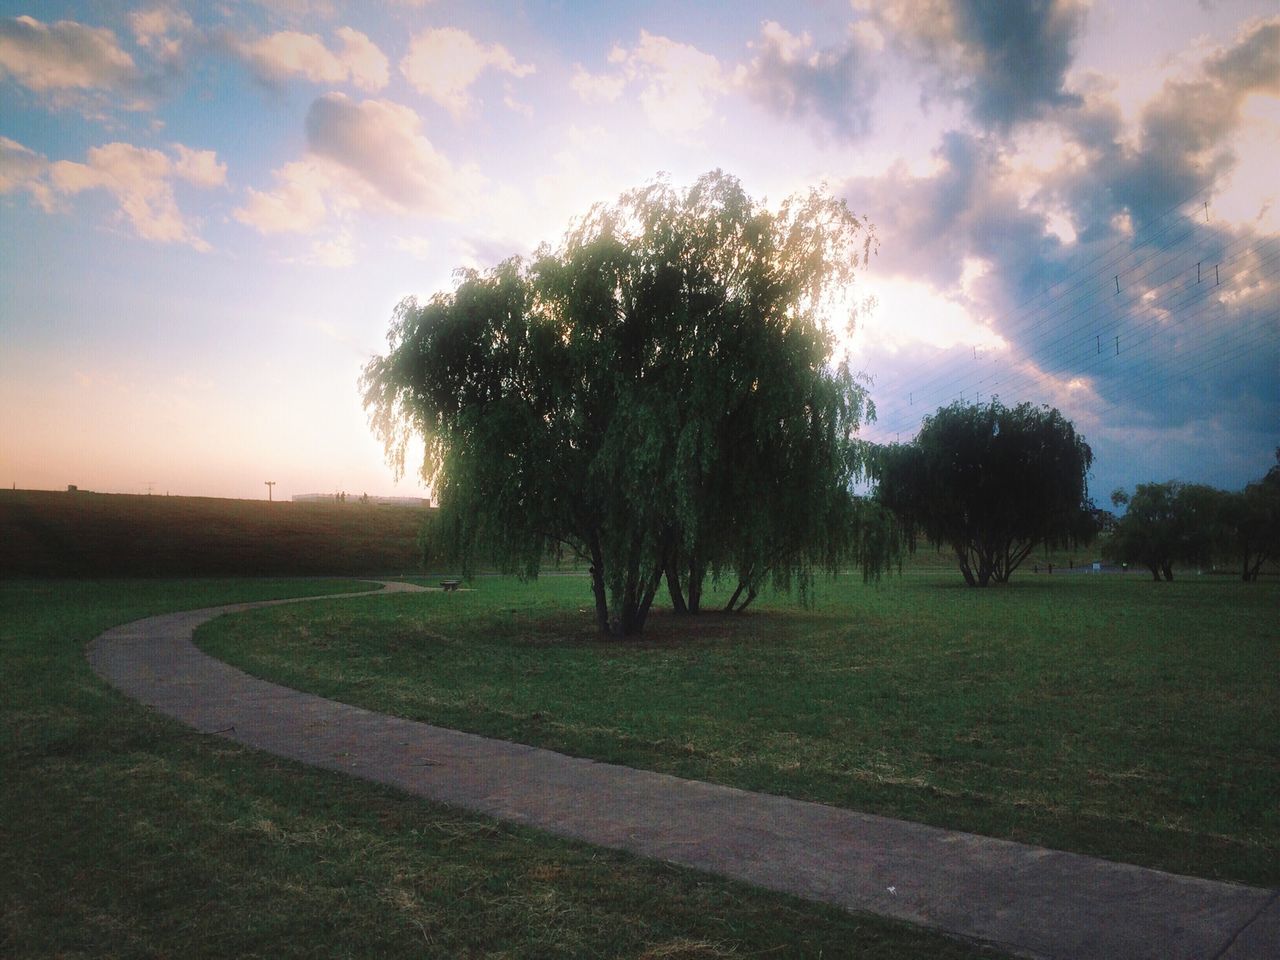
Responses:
[1192,524]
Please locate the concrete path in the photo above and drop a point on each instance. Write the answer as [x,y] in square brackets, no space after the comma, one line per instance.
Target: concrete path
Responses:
[1029,901]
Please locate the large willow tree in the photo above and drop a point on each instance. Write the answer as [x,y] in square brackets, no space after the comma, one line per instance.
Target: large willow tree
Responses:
[656,395]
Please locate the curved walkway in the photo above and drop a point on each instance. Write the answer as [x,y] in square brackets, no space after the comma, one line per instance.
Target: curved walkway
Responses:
[1027,900]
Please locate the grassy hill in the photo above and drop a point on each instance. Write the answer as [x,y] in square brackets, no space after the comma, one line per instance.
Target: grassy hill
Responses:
[81,534]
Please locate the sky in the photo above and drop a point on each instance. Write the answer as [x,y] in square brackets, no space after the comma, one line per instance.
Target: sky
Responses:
[209,211]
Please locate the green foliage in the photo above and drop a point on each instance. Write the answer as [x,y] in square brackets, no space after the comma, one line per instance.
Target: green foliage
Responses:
[1168,523]
[1251,523]
[654,396]
[992,483]
[1193,524]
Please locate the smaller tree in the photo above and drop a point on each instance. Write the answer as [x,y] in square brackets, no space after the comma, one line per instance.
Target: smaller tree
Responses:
[1168,523]
[1250,528]
[1145,534]
[992,483]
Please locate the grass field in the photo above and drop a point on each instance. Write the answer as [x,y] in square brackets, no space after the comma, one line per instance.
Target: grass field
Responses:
[50,534]
[1102,714]
[123,834]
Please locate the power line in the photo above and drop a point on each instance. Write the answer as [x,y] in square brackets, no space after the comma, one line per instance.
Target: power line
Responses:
[1131,247]
[1084,305]
[1164,290]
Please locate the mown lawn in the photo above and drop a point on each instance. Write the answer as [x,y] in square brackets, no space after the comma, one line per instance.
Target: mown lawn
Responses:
[123,834]
[1102,714]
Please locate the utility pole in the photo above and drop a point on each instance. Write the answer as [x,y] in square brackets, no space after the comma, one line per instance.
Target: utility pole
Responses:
[270,488]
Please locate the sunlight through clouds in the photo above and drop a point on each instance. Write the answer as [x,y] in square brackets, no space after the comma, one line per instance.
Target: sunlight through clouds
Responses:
[678,83]
[254,180]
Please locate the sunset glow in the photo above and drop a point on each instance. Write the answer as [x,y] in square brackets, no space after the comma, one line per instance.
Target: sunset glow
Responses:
[209,211]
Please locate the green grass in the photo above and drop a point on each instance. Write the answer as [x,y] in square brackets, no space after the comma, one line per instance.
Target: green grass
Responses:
[123,834]
[1106,715]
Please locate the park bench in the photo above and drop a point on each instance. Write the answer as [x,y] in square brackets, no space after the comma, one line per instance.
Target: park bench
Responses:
[450,585]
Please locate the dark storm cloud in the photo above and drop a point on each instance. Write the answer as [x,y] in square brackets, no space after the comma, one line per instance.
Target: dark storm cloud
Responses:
[1007,61]
[1184,142]
[1193,391]
[1022,52]
[834,85]
[967,209]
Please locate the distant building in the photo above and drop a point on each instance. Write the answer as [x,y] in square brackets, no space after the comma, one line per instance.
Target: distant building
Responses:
[351,498]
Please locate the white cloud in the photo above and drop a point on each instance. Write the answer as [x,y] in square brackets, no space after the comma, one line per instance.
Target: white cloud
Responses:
[141,181]
[443,63]
[415,246]
[334,252]
[679,84]
[63,56]
[277,57]
[381,148]
[199,167]
[366,155]
[295,206]
[161,31]
[907,313]
[24,169]
[597,87]
[368,65]
[517,106]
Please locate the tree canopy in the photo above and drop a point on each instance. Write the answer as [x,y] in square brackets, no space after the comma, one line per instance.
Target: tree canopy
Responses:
[992,483]
[655,395]
[1196,525]
[1252,523]
[1167,523]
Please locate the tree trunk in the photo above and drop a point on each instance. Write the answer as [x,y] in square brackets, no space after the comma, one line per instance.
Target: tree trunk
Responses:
[1252,570]
[963,560]
[626,620]
[597,588]
[642,614]
[728,607]
[1155,571]
[986,566]
[1167,570]
[673,587]
[697,574]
